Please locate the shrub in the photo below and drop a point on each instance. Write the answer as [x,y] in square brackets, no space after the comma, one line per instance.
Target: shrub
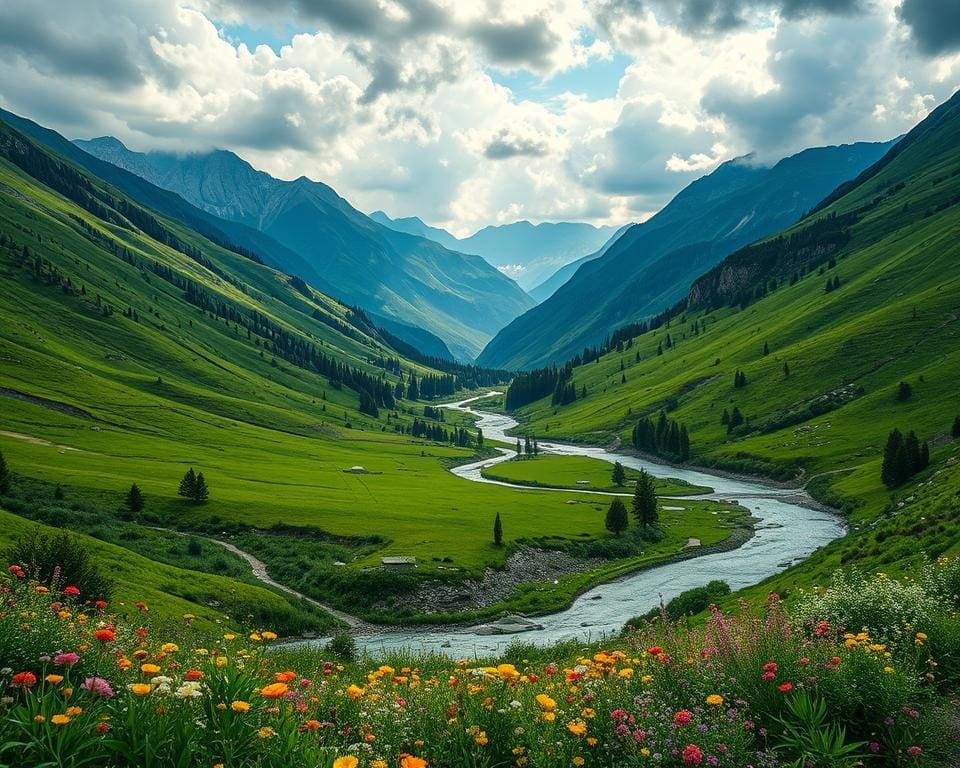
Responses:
[60,561]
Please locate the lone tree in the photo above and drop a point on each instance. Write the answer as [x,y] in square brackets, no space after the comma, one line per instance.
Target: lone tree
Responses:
[618,475]
[645,501]
[188,486]
[617,517]
[135,499]
[497,531]
[955,432]
[904,391]
[5,473]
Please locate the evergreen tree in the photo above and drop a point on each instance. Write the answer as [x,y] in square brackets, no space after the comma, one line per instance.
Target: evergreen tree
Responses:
[924,456]
[739,379]
[617,519]
[135,501]
[497,531]
[786,371]
[645,501]
[4,475]
[618,476]
[527,446]
[536,447]
[684,443]
[201,492]
[955,430]
[725,418]
[766,349]
[904,391]
[893,467]
[736,419]
[188,486]
[479,438]
[912,447]
[519,449]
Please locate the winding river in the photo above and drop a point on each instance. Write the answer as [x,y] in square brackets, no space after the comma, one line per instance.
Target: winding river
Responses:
[787,533]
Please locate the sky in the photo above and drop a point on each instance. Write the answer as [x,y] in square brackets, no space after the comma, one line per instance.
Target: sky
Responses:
[476,112]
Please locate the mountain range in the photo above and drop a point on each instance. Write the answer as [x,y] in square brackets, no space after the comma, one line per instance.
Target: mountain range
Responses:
[409,279]
[529,253]
[651,265]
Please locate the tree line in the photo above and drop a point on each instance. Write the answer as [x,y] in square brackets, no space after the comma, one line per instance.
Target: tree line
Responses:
[665,437]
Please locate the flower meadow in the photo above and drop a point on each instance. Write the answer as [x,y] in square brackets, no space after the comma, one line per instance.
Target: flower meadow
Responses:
[86,685]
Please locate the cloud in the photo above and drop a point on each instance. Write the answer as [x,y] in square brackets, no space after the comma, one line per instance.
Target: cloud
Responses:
[506,144]
[528,42]
[934,24]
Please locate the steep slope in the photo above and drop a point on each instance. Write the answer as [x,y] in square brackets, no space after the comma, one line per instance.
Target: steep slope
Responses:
[653,264]
[408,278]
[844,326]
[548,287]
[527,252]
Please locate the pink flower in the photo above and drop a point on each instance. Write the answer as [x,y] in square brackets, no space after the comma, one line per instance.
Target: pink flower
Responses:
[785,688]
[66,658]
[914,751]
[692,755]
[98,687]
[682,717]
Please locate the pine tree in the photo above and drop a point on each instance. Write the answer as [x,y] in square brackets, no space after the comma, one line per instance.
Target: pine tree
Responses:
[890,471]
[684,443]
[188,486]
[519,449]
[618,476]
[736,419]
[527,446]
[645,500]
[766,349]
[4,475]
[617,519]
[904,391]
[497,531]
[955,431]
[134,501]
[786,371]
[725,418]
[201,492]
[536,447]
[479,438]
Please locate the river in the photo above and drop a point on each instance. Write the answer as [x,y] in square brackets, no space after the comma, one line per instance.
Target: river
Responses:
[787,533]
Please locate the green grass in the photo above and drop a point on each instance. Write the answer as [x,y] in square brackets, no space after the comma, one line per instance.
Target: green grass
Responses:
[549,471]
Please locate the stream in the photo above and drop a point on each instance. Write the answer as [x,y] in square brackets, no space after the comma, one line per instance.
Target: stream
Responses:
[787,533]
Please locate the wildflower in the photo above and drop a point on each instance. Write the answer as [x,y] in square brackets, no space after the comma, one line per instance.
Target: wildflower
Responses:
[105,635]
[914,751]
[149,669]
[239,706]
[578,761]
[71,590]
[102,727]
[354,691]
[169,647]
[39,719]
[683,717]
[545,702]
[54,679]
[409,761]
[577,727]
[692,755]
[348,761]
[285,677]
[268,635]
[654,650]
[312,725]
[714,700]
[73,711]
[140,689]
[189,690]
[266,732]
[274,690]
[508,673]
[59,719]
[98,687]
[101,604]
[193,674]
[785,687]
[25,680]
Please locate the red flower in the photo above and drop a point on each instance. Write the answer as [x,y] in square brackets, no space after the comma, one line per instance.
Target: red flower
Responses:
[770,666]
[835,661]
[141,606]
[17,571]
[102,727]
[101,604]
[682,717]
[654,650]
[71,590]
[785,687]
[23,680]
[192,674]
[692,755]
[105,635]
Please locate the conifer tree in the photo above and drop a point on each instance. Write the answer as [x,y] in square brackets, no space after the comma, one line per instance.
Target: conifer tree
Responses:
[904,391]
[891,472]
[4,475]
[188,485]
[766,349]
[786,371]
[618,476]
[201,491]
[617,519]
[955,431]
[519,449]
[497,531]
[725,418]
[135,501]
[645,501]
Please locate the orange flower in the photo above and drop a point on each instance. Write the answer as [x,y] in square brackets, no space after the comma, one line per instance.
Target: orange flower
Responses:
[409,761]
[239,706]
[577,727]
[312,725]
[192,674]
[348,761]
[150,669]
[274,690]
[285,677]
[54,679]
[105,635]
[141,689]
[59,719]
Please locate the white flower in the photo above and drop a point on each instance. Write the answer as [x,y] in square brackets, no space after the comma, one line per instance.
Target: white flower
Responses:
[189,690]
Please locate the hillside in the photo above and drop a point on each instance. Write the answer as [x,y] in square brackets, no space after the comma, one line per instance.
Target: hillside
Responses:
[528,252]
[653,264]
[338,250]
[548,287]
[845,327]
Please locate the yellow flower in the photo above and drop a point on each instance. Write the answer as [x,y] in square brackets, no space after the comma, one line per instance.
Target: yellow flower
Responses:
[256,637]
[592,741]
[888,670]
[59,719]
[266,732]
[73,711]
[239,706]
[626,673]
[39,719]
[229,636]
[169,647]
[646,679]
[645,752]
[141,689]
[378,764]
[481,738]
[268,635]
[150,669]
[348,761]
[354,691]
[715,699]
[507,672]
[578,760]
[220,661]
[54,679]
[549,716]
[546,703]
[577,727]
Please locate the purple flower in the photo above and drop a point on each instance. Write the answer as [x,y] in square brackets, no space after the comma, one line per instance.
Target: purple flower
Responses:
[98,687]
[874,746]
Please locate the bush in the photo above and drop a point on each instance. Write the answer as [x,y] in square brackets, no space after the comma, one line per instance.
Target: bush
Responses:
[693,601]
[60,561]
[342,646]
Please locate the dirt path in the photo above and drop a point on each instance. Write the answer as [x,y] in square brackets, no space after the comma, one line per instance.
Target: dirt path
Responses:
[36,441]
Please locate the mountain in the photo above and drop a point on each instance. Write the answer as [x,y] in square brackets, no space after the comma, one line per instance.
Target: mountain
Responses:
[843,327]
[339,250]
[529,253]
[652,264]
[548,287]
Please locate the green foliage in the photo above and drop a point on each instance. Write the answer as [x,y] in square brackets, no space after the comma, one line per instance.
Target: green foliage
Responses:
[903,457]
[4,475]
[617,519]
[342,647]
[60,561]
[904,391]
[497,531]
[692,601]
[811,740]
[644,502]
[135,501]
[618,476]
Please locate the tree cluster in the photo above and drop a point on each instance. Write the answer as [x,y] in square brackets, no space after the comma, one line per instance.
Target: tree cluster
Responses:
[903,457]
[665,437]
[193,486]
